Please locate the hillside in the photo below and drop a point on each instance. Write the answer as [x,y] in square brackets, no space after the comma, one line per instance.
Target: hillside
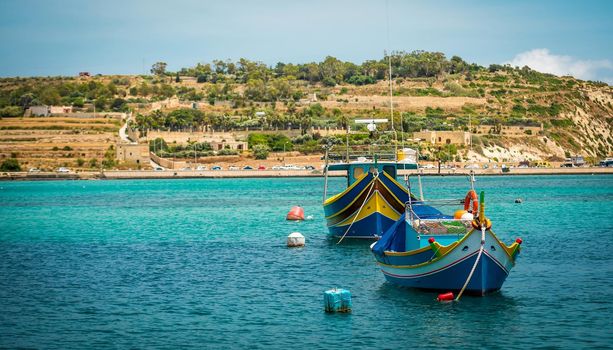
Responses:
[430,92]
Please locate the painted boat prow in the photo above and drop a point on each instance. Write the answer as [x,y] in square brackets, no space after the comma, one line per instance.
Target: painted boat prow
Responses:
[433,266]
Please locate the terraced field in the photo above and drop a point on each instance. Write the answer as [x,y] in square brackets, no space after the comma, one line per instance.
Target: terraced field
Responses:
[51,142]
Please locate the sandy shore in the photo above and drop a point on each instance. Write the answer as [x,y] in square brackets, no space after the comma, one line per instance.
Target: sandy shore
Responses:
[173,174]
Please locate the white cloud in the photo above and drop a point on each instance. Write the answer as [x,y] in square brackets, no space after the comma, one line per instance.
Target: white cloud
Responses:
[543,61]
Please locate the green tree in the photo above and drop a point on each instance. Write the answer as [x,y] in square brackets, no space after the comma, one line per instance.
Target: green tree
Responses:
[11,164]
[49,96]
[158,68]
[261,151]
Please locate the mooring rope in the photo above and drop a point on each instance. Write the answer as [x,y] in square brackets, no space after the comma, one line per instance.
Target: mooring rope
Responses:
[359,210]
[470,275]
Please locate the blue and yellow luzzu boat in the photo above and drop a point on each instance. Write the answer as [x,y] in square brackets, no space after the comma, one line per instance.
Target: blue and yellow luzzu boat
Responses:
[445,254]
[372,202]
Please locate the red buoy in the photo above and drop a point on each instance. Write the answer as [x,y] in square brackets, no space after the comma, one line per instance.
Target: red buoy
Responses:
[296,213]
[445,297]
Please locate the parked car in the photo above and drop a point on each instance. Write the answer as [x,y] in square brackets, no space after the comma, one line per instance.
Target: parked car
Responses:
[247,167]
[157,168]
[471,166]
[34,170]
[186,169]
[309,167]
[63,170]
[261,167]
[427,166]
[291,167]
[216,167]
[233,167]
[201,167]
[276,167]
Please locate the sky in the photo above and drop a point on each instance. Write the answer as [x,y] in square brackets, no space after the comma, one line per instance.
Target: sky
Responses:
[64,37]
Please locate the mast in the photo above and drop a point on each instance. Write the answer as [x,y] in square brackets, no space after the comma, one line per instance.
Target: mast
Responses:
[389,61]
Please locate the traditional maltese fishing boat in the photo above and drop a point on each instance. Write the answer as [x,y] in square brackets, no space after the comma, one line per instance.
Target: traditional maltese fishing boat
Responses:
[373,200]
[458,253]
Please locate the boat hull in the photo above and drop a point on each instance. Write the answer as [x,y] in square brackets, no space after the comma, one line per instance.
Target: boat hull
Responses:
[449,271]
[367,208]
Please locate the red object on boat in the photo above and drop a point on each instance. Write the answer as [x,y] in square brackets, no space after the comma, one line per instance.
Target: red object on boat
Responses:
[431,240]
[296,213]
[518,240]
[445,297]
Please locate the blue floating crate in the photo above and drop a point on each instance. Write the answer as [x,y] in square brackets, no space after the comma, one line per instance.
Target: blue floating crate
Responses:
[337,300]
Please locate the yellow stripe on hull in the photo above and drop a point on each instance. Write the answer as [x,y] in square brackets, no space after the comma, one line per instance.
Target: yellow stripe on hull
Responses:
[375,204]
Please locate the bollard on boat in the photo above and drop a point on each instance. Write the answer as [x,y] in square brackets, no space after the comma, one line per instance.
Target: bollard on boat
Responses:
[337,300]
[295,239]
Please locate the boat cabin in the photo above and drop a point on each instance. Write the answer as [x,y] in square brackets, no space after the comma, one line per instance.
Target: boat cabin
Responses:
[356,169]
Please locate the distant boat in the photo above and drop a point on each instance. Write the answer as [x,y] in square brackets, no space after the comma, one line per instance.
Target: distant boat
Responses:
[444,253]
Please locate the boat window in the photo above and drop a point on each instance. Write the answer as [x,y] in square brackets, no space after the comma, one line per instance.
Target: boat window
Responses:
[390,170]
[357,172]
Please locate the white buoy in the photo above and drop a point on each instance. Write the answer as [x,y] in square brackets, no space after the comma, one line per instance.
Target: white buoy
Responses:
[295,239]
[467,216]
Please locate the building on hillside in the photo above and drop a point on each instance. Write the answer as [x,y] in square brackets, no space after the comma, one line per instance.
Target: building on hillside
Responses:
[232,144]
[133,153]
[60,109]
[45,111]
[444,137]
[84,74]
[38,111]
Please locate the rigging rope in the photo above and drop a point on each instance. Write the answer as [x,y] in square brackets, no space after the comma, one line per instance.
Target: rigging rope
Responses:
[470,275]
[362,206]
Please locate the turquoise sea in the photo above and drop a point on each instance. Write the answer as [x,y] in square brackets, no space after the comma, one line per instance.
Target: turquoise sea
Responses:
[202,263]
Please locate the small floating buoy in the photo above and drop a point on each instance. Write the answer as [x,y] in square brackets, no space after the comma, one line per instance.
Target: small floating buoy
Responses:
[310,217]
[296,213]
[518,200]
[295,239]
[337,300]
[445,297]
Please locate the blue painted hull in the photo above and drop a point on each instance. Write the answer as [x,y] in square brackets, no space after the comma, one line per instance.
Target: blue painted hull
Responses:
[488,277]
[449,269]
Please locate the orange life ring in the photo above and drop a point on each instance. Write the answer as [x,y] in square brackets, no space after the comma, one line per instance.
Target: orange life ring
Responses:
[471,196]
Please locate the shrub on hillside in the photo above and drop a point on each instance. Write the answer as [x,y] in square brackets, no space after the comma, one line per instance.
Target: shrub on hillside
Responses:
[261,151]
[11,111]
[10,164]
